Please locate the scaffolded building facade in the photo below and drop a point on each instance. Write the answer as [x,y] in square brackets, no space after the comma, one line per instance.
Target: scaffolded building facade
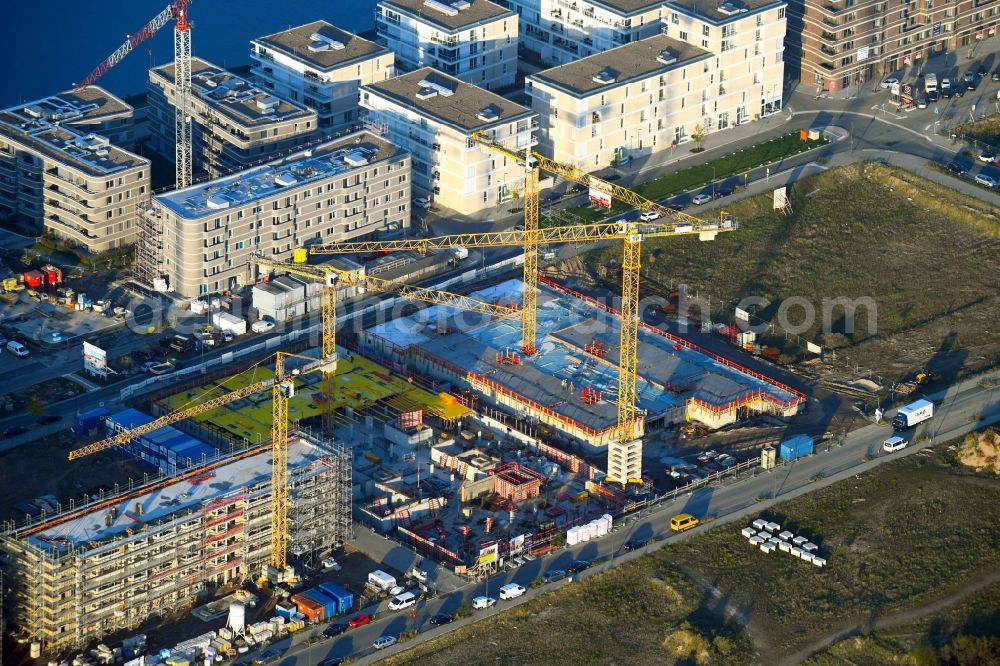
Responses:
[111,564]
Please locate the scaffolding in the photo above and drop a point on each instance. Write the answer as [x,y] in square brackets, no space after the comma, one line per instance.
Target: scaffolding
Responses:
[147,264]
[68,592]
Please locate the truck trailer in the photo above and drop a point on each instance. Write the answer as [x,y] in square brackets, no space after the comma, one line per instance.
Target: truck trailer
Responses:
[912,414]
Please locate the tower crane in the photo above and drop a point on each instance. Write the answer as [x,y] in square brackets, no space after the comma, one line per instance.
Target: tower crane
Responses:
[331,277]
[625,452]
[282,388]
[177,10]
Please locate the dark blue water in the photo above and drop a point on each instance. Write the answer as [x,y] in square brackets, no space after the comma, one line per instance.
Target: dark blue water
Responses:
[49,45]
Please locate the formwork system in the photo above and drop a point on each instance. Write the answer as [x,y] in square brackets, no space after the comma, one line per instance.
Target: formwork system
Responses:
[571,383]
[109,565]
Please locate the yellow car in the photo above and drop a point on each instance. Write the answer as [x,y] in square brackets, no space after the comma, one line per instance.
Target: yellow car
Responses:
[683,521]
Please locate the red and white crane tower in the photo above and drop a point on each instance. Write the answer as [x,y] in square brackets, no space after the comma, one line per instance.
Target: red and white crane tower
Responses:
[177,10]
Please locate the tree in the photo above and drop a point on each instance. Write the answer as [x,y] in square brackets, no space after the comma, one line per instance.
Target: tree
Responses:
[35,407]
[698,135]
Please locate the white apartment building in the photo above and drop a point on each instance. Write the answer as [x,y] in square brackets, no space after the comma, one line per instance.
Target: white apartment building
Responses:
[235,123]
[561,31]
[747,39]
[473,40]
[631,101]
[320,66]
[434,116]
[199,240]
[61,168]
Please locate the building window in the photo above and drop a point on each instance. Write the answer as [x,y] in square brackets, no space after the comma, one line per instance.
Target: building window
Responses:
[683,36]
[781,13]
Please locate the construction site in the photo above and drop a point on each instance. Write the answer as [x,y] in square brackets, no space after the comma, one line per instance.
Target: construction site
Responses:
[110,564]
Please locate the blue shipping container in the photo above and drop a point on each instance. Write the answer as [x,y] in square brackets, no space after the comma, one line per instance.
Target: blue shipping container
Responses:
[345,600]
[328,604]
[86,422]
[796,447]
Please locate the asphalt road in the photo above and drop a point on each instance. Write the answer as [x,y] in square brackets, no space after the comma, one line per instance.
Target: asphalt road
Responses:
[961,408]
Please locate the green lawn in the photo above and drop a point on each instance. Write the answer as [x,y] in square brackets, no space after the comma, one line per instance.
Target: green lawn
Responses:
[700,174]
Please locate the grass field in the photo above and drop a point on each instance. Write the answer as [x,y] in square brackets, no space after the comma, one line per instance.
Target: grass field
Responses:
[967,633]
[641,613]
[913,532]
[701,174]
[925,254]
[359,384]
[985,129]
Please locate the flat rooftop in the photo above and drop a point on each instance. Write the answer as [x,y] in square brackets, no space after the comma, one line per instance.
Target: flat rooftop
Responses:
[56,127]
[452,15]
[720,11]
[627,7]
[236,190]
[668,374]
[162,502]
[322,45]
[432,93]
[234,97]
[632,62]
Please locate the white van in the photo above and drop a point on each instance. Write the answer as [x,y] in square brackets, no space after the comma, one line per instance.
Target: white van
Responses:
[894,444]
[401,601]
[511,591]
[17,349]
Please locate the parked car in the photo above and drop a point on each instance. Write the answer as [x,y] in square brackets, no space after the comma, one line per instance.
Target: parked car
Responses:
[996,74]
[982,71]
[721,192]
[958,89]
[888,82]
[359,620]
[17,349]
[987,156]
[932,96]
[335,629]
[442,618]
[483,602]
[261,326]
[649,216]
[683,521]
[700,199]
[986,179]
[957,168]
[578,566]
[970,80]
[553,575]
[383,642]
[332,661]
[894,444]
[422,202]
[634,544]
[922,101]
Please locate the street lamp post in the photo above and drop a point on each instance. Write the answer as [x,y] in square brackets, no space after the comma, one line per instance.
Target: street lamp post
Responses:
[713,182]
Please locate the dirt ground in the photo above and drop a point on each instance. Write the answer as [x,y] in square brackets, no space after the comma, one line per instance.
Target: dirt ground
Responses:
[40,468]
[925,255]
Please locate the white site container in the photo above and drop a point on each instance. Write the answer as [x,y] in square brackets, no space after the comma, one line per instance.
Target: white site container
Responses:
[609,520]
[785,535]
[572,536]
[808,557]
[767,547]
[799,540]
[810,546]
[228,322]
[773,528]
[756,540]
[759,524]
[748,532]
[819,561]
[797,552]
[784,546]
[600,528]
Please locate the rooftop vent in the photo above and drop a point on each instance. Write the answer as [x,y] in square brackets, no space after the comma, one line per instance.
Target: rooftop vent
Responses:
[355,158]
[267,103]
[217,201]
[33,111]
[320,42]
[450,9]
[426,93]
[441,88]
[732,7]
[605,76]
[92,142]
[667,57]
[285,179]
[489,113]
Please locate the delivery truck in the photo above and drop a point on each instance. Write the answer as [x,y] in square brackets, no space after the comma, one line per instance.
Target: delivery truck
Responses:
[912,414]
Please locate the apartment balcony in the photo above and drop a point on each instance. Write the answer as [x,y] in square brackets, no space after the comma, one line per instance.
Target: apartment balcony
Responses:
[833,23]
[828,37]
[263,56]
[827,50]
[448,41]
